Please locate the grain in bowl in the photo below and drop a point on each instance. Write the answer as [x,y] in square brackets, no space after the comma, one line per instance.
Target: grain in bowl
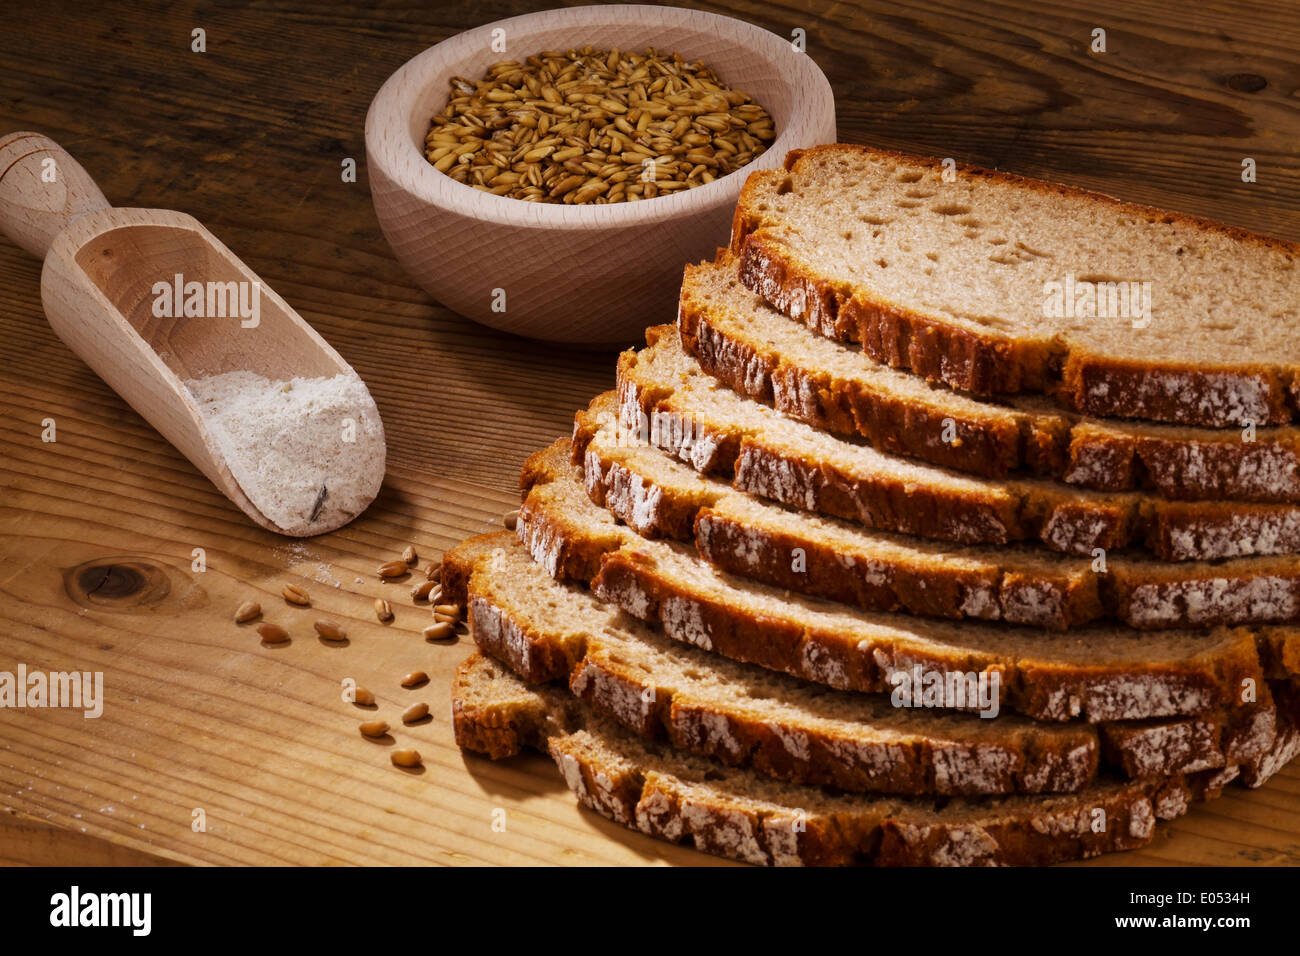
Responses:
[595,126]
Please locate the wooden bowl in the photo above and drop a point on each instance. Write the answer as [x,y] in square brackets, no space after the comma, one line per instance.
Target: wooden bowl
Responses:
[583,274]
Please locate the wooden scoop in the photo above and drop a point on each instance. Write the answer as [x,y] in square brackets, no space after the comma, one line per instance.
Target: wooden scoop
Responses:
[101,267]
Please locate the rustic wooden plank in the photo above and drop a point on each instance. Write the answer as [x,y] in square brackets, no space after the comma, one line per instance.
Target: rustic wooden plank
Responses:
[248,137]
[26,843]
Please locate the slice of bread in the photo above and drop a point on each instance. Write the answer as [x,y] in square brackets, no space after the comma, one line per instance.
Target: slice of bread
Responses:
[743,342]
[951,277]
[670,401]
[788,729]
[1095,674]
[1256,771]
[1022,584]
[733,812]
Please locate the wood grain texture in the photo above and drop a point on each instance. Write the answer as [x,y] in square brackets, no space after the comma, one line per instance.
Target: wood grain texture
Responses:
[249,138]
[26,843]
[42,189]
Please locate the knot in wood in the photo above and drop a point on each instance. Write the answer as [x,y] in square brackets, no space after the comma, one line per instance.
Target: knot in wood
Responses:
[1246,82]
[117,583]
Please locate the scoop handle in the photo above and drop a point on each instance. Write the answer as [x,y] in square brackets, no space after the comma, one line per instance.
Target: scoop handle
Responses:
[42,190]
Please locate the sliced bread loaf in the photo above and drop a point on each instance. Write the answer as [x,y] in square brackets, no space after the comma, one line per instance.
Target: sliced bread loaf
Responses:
[671,402]
[660,497]
[958,278]
[742,341]
[791,730]
[1096,674]
[735,813]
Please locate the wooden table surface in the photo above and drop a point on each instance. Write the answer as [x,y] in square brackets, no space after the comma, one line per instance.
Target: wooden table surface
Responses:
[249,137]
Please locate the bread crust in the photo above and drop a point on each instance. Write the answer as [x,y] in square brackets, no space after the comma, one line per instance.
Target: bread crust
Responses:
[986,363]
[1024,759]
[981,512]
[1044,688]
[998,441]
[1043,692]
[681,801]
[866,570]
[1064,759]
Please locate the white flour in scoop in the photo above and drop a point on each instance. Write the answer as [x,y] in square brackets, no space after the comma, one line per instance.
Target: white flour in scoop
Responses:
[309,453]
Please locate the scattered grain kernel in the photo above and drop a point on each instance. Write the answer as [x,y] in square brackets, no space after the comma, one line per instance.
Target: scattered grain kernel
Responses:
[272,633]
[393,569]
[440,631]
[409,555]
[363,698]
[295,595]
[406,757]
[449,610]
[331,630]
[247,611]
[415,712]
[374,728]
[422,590]
[434,571]
[415,679]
